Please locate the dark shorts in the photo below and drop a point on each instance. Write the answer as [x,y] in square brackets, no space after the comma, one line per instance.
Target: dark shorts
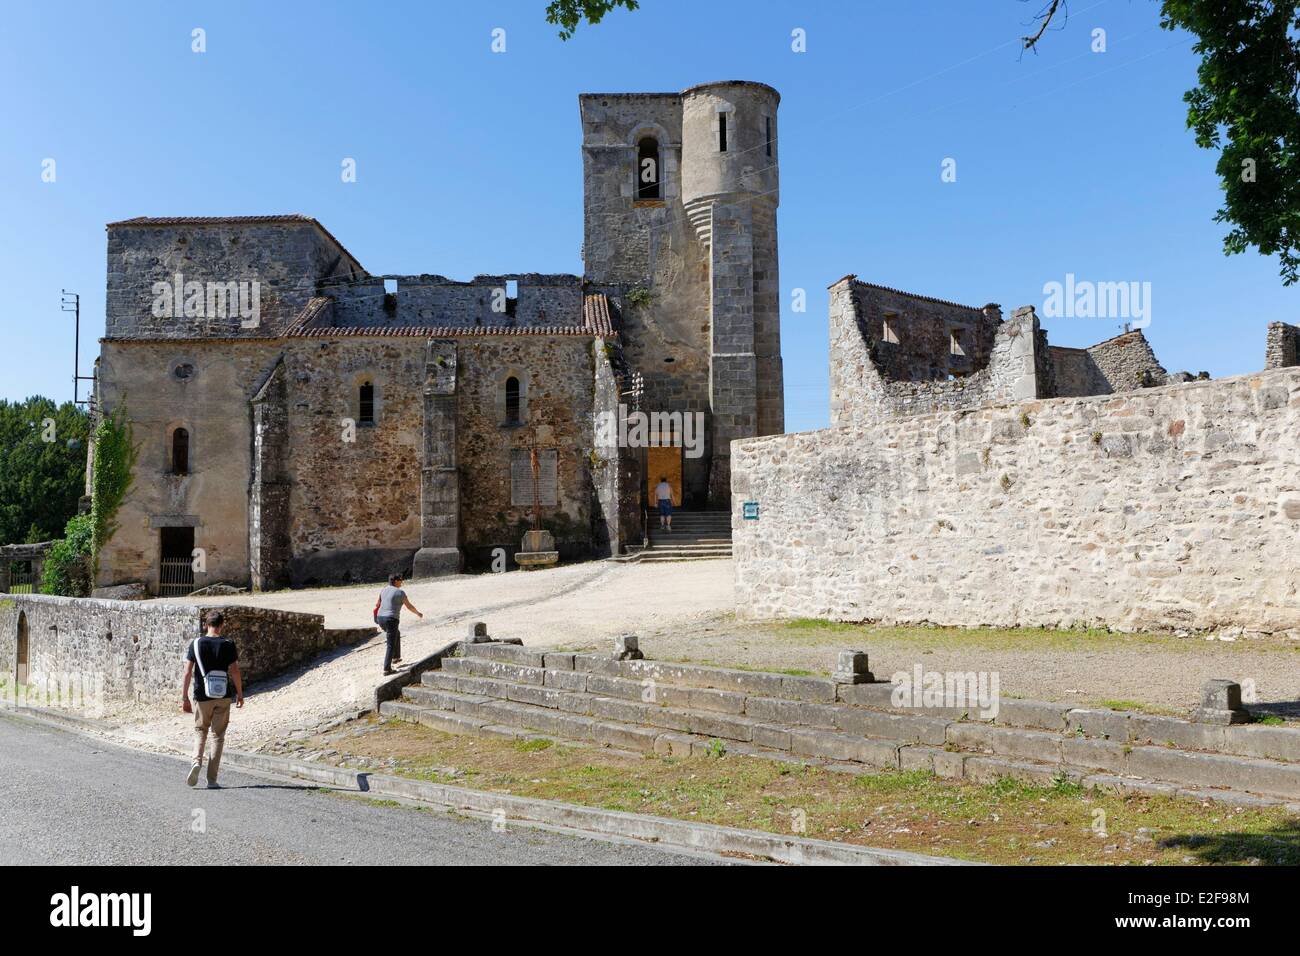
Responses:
[665,506]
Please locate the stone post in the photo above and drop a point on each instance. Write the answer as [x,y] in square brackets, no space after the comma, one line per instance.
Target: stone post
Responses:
[626,648]
[1221,704]
[852,667]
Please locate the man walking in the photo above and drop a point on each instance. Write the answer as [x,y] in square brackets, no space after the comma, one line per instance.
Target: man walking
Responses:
[664,494]
[212,669]
[388,614]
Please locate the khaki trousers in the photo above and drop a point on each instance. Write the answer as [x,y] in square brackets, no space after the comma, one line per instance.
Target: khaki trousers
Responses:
[214,716]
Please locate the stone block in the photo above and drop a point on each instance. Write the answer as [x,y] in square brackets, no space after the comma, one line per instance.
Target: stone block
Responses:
[726,726]
[867,695]
[771,736]
[1274,743]
[852,667]
[567,680]
[915,728]
[1171,731]
[626,648]
[625,736]
[720,701]
[1032,714]
[558,660]
[595,664]
[949,765]
[1221,704]
[1095,754]
[1251,774]
[511,653]
[916,757]
[478,633]
[825,743]
[813,689]
[674,745]
[1108,724]
[1006,741]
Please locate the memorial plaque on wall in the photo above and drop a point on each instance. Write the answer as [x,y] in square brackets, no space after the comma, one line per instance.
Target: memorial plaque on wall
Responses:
[521,477]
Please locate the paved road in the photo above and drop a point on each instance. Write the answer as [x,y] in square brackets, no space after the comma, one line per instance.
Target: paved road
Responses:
[68,799]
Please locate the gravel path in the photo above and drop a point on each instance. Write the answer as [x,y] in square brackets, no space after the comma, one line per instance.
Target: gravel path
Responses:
[686,612]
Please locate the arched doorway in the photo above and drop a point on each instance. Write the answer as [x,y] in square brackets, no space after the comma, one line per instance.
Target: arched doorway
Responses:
[20,669]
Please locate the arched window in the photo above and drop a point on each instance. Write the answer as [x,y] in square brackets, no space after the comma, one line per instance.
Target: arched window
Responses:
[366,404]
[647,169]
[512,401]
[181,452]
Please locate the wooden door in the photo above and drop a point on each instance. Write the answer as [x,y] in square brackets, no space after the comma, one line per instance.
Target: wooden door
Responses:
[20,675]
[663,462]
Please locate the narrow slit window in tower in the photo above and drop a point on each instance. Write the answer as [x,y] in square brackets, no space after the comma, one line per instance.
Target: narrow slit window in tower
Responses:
[647,166]
[722,132]
[366,404]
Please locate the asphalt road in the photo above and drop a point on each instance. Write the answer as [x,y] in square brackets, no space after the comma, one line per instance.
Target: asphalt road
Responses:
[68,799]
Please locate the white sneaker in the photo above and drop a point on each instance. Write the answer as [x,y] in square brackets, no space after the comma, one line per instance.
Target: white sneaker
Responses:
[193,778]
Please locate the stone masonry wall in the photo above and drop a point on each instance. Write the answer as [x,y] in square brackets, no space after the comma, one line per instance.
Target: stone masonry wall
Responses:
[287,257]
[1283,347]
[870,379]
[1172,507]
[137,648]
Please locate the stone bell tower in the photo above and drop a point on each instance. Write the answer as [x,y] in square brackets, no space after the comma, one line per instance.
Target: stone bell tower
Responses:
[680,197]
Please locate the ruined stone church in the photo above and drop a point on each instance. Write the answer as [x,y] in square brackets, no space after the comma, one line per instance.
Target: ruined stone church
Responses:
[303,421]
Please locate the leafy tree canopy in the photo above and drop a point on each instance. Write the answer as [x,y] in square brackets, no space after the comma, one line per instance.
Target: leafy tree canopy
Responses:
[567,14]
[42,468]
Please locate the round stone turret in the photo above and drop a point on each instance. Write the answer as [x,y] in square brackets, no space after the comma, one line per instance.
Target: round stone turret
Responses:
[729,147]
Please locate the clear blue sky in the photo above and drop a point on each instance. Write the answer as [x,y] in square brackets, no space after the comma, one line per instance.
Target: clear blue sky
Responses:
[469,161]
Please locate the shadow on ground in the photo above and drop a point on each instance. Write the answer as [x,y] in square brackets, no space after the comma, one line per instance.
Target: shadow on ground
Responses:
[1277,846]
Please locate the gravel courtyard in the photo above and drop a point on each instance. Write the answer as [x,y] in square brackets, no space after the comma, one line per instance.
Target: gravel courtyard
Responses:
[685,612]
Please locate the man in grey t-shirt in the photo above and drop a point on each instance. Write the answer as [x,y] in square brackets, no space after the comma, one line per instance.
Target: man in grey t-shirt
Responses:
[391,601]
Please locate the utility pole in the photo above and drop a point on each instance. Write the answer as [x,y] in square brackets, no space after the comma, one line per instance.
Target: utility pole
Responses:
[71,302]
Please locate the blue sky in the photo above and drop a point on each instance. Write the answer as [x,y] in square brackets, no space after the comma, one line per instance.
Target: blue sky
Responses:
[468,161]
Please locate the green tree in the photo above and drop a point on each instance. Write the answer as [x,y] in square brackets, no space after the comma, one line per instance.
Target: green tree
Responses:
[68,562]
[1246,105]
[42,468]
[111,475]
[567,14]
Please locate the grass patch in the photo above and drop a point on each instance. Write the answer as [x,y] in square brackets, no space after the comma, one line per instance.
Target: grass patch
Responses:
[816,631]
[533,745]
[1007,822]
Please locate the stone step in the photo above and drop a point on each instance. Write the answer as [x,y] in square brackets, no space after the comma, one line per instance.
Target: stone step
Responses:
[695,710]
[631,725]
[476,714]
[1044,724]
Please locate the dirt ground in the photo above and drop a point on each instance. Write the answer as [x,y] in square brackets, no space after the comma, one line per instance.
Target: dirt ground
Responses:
[686,612]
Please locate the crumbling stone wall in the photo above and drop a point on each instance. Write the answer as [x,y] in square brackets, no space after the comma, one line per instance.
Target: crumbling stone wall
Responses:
[436,301]
[1283,346]
[1173,507]
[1123,363]
[910,368]
[137,648]
[287,255]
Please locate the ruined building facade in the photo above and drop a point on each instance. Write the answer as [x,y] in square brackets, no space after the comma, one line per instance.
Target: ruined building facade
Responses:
[301,420]
[896,353]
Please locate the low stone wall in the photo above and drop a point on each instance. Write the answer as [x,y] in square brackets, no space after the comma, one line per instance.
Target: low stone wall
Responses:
[1171,507]
[134,650]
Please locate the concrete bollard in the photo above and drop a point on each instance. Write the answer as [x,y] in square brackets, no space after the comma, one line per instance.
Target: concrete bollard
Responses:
[852,667]
[626,648]
[478,633]
[1221,704]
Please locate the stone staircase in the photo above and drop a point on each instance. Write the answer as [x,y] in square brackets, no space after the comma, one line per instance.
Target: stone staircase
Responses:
[696,535]
[641,706]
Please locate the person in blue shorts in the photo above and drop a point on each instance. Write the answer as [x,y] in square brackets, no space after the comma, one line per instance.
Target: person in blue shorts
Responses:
[664,494]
